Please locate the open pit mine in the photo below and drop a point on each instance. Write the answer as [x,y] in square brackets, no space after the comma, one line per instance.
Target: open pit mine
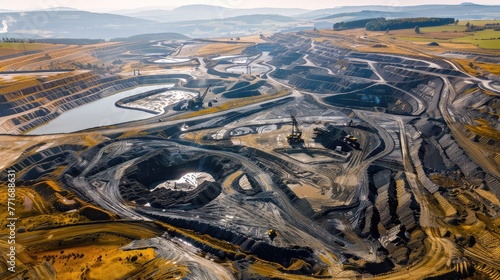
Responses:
[309,155]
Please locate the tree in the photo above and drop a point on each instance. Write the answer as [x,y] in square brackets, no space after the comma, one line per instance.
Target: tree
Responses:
[456,21]
[467,25]
[417,29]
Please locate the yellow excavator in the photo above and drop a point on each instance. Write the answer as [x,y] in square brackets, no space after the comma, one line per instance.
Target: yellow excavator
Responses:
[272,234]
[351,140]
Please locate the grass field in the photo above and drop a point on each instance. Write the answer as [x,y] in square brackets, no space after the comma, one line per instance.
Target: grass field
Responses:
[443,28]
[478,22]
[488,39]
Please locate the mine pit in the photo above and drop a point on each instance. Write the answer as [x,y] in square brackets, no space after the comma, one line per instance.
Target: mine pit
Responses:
[305,158]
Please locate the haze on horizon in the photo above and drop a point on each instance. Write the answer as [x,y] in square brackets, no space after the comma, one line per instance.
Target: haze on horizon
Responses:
[102,6]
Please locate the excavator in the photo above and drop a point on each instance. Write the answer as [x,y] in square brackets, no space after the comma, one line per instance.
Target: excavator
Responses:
[296,135]
[272,233]
[351,140]
[198,101]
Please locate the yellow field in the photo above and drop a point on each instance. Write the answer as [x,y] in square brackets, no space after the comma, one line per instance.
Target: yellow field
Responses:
[97,262]
[221,48]
[464,64]
[484,129]
[492,68]
[19,48]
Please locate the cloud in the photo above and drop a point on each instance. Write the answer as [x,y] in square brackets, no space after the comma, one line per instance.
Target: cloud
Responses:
[5,28]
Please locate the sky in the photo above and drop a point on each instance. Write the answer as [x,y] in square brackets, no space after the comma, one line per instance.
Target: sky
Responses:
[112,5]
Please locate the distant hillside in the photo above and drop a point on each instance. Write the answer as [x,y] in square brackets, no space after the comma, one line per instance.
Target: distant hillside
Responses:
[206,21]
[204,12]
[59,9]
[75,24]
[364,15]
[256,19]
[463,11]
[80,24]
[153,37]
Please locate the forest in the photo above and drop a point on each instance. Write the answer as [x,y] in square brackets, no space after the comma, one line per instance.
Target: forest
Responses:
[404,23]
[382,24]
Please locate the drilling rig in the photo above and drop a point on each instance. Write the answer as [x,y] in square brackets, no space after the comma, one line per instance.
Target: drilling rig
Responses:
[296,135]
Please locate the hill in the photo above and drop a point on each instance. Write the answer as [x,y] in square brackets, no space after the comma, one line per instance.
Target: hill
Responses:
[206,12]
[75,24]
[81,24]
[463,11]
[154,37]
[256,19]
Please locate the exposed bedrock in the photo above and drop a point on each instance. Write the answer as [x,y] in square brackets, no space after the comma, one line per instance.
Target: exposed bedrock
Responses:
[439,152]
[311,81]
[333,138]
[202,195]
[392,217]
[246,185]
[139,181]
[379,96]
[242,89]
[259,248]
[35,166]
[263,160]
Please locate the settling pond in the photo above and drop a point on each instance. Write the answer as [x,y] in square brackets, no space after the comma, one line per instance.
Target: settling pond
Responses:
[102,112]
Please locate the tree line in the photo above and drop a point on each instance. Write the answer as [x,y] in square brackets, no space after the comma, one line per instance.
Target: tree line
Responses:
[382,24]
[361,23]
[405,23]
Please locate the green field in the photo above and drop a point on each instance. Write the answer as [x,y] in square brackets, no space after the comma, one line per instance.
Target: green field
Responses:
[443,28]
[488,39]
[423,39]
[478,22]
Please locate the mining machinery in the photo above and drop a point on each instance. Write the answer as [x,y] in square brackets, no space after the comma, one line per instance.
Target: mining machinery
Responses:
[198,101]
[351,140]
[272,234]
[319,132]
[296,135]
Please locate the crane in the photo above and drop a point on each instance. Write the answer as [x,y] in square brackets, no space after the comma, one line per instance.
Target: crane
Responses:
[296,135]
